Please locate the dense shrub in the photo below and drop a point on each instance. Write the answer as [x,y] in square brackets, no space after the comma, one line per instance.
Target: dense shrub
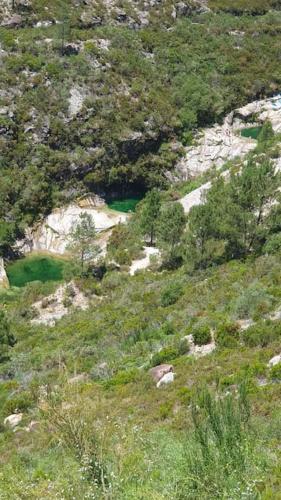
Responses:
[183,347]
[201,334]
[223,448]
[273,244]
[165,355]
[123,378]
[7,338]
[254,300]
[275,372]
[171,294]
[262,333]
[168,328]
[227,335]
[21,402]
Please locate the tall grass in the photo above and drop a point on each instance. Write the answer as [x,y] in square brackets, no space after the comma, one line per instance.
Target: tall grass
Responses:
[221,459]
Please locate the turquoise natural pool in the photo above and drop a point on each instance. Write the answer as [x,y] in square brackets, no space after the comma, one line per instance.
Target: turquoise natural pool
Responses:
[125,204]
[35,268]
[252,132]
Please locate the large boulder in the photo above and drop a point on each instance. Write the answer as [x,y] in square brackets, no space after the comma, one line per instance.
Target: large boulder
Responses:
[13,420]
[14,21]
[166,379]
[78,379]
[158,372]
[275,360]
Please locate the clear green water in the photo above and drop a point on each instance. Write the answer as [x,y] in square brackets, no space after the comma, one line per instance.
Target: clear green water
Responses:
[35,268]
[252,132]
[125,204]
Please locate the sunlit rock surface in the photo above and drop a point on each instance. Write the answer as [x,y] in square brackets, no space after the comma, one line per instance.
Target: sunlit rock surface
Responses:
[52,235]
[4,282]
[220,143]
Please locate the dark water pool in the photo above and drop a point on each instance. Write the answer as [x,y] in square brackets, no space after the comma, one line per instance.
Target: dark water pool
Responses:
[35,268]
[125,204]
[252,132]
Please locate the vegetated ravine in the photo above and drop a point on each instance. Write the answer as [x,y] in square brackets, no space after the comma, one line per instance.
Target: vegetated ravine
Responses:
[153,372]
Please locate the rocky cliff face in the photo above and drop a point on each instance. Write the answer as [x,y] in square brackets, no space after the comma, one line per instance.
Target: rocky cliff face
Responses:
[52,235]
[92,14]
[220,143]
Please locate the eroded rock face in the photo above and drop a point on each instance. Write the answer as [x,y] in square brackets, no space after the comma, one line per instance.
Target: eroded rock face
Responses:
[4,282]
[52,234]
[220,143]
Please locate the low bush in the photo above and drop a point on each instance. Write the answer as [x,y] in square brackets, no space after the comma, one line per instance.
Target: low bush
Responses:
[275,372]
[168,328]
[165,355]
[183,347]
[185,395]
[171,294]
[201,334]
[122,378]
[165,410]
[18,402]
[227,335]
[252,302]
[262,333]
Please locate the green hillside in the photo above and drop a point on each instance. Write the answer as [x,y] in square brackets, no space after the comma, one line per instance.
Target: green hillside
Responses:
[169,76]
[145,362]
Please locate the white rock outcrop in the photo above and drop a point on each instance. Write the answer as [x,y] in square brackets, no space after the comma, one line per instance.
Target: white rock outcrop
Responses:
[54,307]
[144,263]
[220,143]
[76,100]
[196,197]
[4,282]
[275,361]
[13,420]
[158,372]
[199,351]
[52,235]
[168,378]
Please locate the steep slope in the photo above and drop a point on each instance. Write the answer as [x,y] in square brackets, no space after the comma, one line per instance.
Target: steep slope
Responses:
[108,108]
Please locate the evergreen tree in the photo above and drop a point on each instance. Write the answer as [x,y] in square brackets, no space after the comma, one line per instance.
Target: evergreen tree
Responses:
[149,215]
[7,339]
[170,229]
[237,216]
[82,240]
